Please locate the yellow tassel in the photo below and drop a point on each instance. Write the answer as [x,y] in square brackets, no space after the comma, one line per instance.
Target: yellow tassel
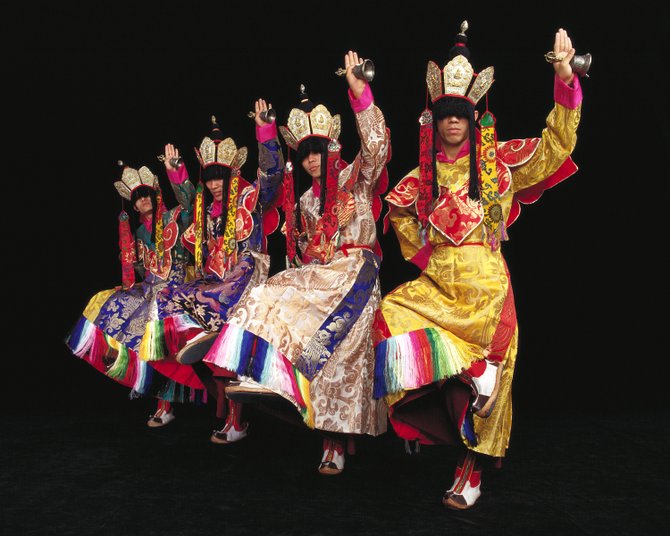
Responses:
[160,247]
[303,386]
[197,223]
[493,214]
[229,236]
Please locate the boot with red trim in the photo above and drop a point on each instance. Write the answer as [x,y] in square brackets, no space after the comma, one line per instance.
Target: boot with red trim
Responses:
[233,430]
[484,378]
[332,461]
[164,415]
[465,490]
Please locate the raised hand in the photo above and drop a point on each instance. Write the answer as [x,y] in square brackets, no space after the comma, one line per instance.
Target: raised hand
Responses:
[564,52]
[356,85]
[171,155]
[261,106]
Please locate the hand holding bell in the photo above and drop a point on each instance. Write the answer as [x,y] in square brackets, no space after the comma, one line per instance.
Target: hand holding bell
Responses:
[263,112]
[267,116]
[580,64]
[565,61]
[171,158]
[355,73]
[362,71]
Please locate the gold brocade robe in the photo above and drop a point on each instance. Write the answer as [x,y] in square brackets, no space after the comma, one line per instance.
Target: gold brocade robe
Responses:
[293,311]
[464,291]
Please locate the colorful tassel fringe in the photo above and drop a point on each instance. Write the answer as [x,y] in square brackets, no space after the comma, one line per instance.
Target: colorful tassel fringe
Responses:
[250,356]
[90,343]
[414,359]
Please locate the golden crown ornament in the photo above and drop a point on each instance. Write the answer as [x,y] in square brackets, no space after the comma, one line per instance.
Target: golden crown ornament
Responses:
[319,122]
[224,152]
[456,79]
[134,178]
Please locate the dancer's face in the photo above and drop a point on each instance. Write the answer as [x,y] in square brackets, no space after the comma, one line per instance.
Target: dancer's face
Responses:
[215,187]
[453,130]
[144,206]
[312,165]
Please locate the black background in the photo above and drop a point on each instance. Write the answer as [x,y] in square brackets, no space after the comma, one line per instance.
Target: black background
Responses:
[93,83]
[120,83]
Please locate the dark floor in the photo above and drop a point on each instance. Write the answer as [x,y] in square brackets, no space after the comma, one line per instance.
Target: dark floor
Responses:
[70,469]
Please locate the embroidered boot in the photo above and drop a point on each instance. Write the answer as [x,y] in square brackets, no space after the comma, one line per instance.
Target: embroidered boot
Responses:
[484,378]
[465,490]
[332,461]
[164,415]
[233,430]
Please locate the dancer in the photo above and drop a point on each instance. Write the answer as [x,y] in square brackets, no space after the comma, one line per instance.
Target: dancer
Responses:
[110,330]
[305,333]
[450,215]
[228,240]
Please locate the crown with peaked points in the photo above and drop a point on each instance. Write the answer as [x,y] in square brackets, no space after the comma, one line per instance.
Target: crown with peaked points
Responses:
[132,178]
[456,77]
[220,152]
[318,122]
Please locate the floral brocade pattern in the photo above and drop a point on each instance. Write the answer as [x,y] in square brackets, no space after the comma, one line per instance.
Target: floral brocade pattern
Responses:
[320,316]
[209,300]
[339,323]
[464,291]
[293,309]
[125,313]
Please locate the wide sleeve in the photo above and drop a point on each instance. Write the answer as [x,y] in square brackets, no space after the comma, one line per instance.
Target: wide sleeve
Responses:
[374,137]
[408,230]
[270,163]
[182,187]
[558,139]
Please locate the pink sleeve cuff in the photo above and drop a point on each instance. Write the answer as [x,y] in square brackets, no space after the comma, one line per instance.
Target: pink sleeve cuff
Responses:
[363,102]
[266,132]
[568,96]
[422,256]
[178,176]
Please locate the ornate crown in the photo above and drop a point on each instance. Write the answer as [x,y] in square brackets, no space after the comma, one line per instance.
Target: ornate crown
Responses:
[221,152]
[318,122]
[454,80]
[134,178]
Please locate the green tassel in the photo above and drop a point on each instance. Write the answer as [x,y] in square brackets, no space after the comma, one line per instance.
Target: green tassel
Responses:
[120,367]
[168,393]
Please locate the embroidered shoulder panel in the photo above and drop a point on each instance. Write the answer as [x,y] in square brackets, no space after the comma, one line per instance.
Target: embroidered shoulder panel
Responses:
[456,215]
[517,152]
[244,223]
[406,191]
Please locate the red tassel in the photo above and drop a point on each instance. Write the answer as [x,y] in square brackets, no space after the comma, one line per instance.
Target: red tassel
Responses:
[289,212]
[170,335]
[425,198]
[127,246]
[330,223]
[98,350]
